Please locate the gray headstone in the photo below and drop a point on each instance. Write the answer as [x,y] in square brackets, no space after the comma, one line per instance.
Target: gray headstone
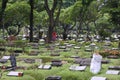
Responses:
[77,68]
[98,78]
[113,72]
[114,67]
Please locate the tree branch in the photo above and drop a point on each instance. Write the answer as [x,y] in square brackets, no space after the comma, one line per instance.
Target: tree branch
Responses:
[46,6]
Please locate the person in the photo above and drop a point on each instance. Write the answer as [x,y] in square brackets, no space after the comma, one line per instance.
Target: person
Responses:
[95,65]
[13,61]
[54,35]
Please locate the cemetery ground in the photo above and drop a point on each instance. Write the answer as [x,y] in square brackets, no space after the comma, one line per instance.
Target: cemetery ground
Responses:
[69,53]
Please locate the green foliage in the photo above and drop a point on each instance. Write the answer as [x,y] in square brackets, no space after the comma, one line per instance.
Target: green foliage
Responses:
[12,30]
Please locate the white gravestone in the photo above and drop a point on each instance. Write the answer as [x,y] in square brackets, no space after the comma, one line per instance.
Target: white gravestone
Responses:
[95,65]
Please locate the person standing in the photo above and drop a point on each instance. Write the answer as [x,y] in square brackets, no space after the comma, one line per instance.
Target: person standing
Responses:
[13,61]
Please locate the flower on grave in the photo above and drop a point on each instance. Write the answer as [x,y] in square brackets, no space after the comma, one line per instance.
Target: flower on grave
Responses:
[114,52]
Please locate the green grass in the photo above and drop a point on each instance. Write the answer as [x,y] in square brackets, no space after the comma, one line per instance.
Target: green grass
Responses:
[32,73]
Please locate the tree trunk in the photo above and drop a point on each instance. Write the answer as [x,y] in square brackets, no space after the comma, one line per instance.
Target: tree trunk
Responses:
[52,19]
[4,4]
[31,20]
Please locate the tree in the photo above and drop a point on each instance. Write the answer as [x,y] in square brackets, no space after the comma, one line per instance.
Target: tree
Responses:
[31,20]
[4,4]
[56,7]
[113,8]
[19,18]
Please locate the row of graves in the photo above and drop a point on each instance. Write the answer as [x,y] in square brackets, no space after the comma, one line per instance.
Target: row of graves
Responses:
[80,63]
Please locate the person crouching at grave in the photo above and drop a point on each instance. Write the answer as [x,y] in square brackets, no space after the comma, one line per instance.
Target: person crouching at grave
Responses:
[13,61]
[95,65]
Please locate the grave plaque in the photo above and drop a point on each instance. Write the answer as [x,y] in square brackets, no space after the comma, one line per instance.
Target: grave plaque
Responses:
[29,60]
[54,78]
[77,68]
[6,57]
[3,60]
[76,47]
[98,78]
[105,61]
[18,51]
[56,63]
[44,66]
[114,67]
[13,73]
[113,72]
[62,47]
[113,57]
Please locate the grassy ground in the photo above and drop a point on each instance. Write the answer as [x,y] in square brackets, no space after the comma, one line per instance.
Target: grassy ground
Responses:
[32,73]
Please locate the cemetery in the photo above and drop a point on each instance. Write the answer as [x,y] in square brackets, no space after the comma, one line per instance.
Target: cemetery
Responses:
[59,40]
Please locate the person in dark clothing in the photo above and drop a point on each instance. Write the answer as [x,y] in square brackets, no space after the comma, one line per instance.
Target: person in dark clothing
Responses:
[13,61]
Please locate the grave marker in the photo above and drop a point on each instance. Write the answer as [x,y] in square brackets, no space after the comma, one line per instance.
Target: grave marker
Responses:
[98,78]
[77,68]
[14,73]
[113,72]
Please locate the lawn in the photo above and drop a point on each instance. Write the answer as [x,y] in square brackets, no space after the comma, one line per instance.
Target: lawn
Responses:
[31,72]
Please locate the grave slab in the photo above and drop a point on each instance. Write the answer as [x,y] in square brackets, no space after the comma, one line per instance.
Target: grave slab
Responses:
[98,78]
[54,54]
[105,61]
[6,57]
[112,57]
[46,67]
[29,60]
[18,51]
[113,72]
[54,78]
[14,73]
[76,47]
[88,50]
[56,63]
[3,60]
[114,67]
[77,68]
[62,47]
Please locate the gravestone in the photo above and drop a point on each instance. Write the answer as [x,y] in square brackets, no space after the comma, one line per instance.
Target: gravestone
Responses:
[6,57]
[54,78]
[18,51]
[2,49]
[3,60]
[54,54]
[29,60]
[66,50]
[105,61]
[75,56]
[112,57]
[46,67]
[98,78]
[56,63]
[113,72]
[78,60]
[85,62]
[76,47]
[77,68]
[88,50]
[14,73]
[33,53]
[62,47]
[69,46]
[114,67]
